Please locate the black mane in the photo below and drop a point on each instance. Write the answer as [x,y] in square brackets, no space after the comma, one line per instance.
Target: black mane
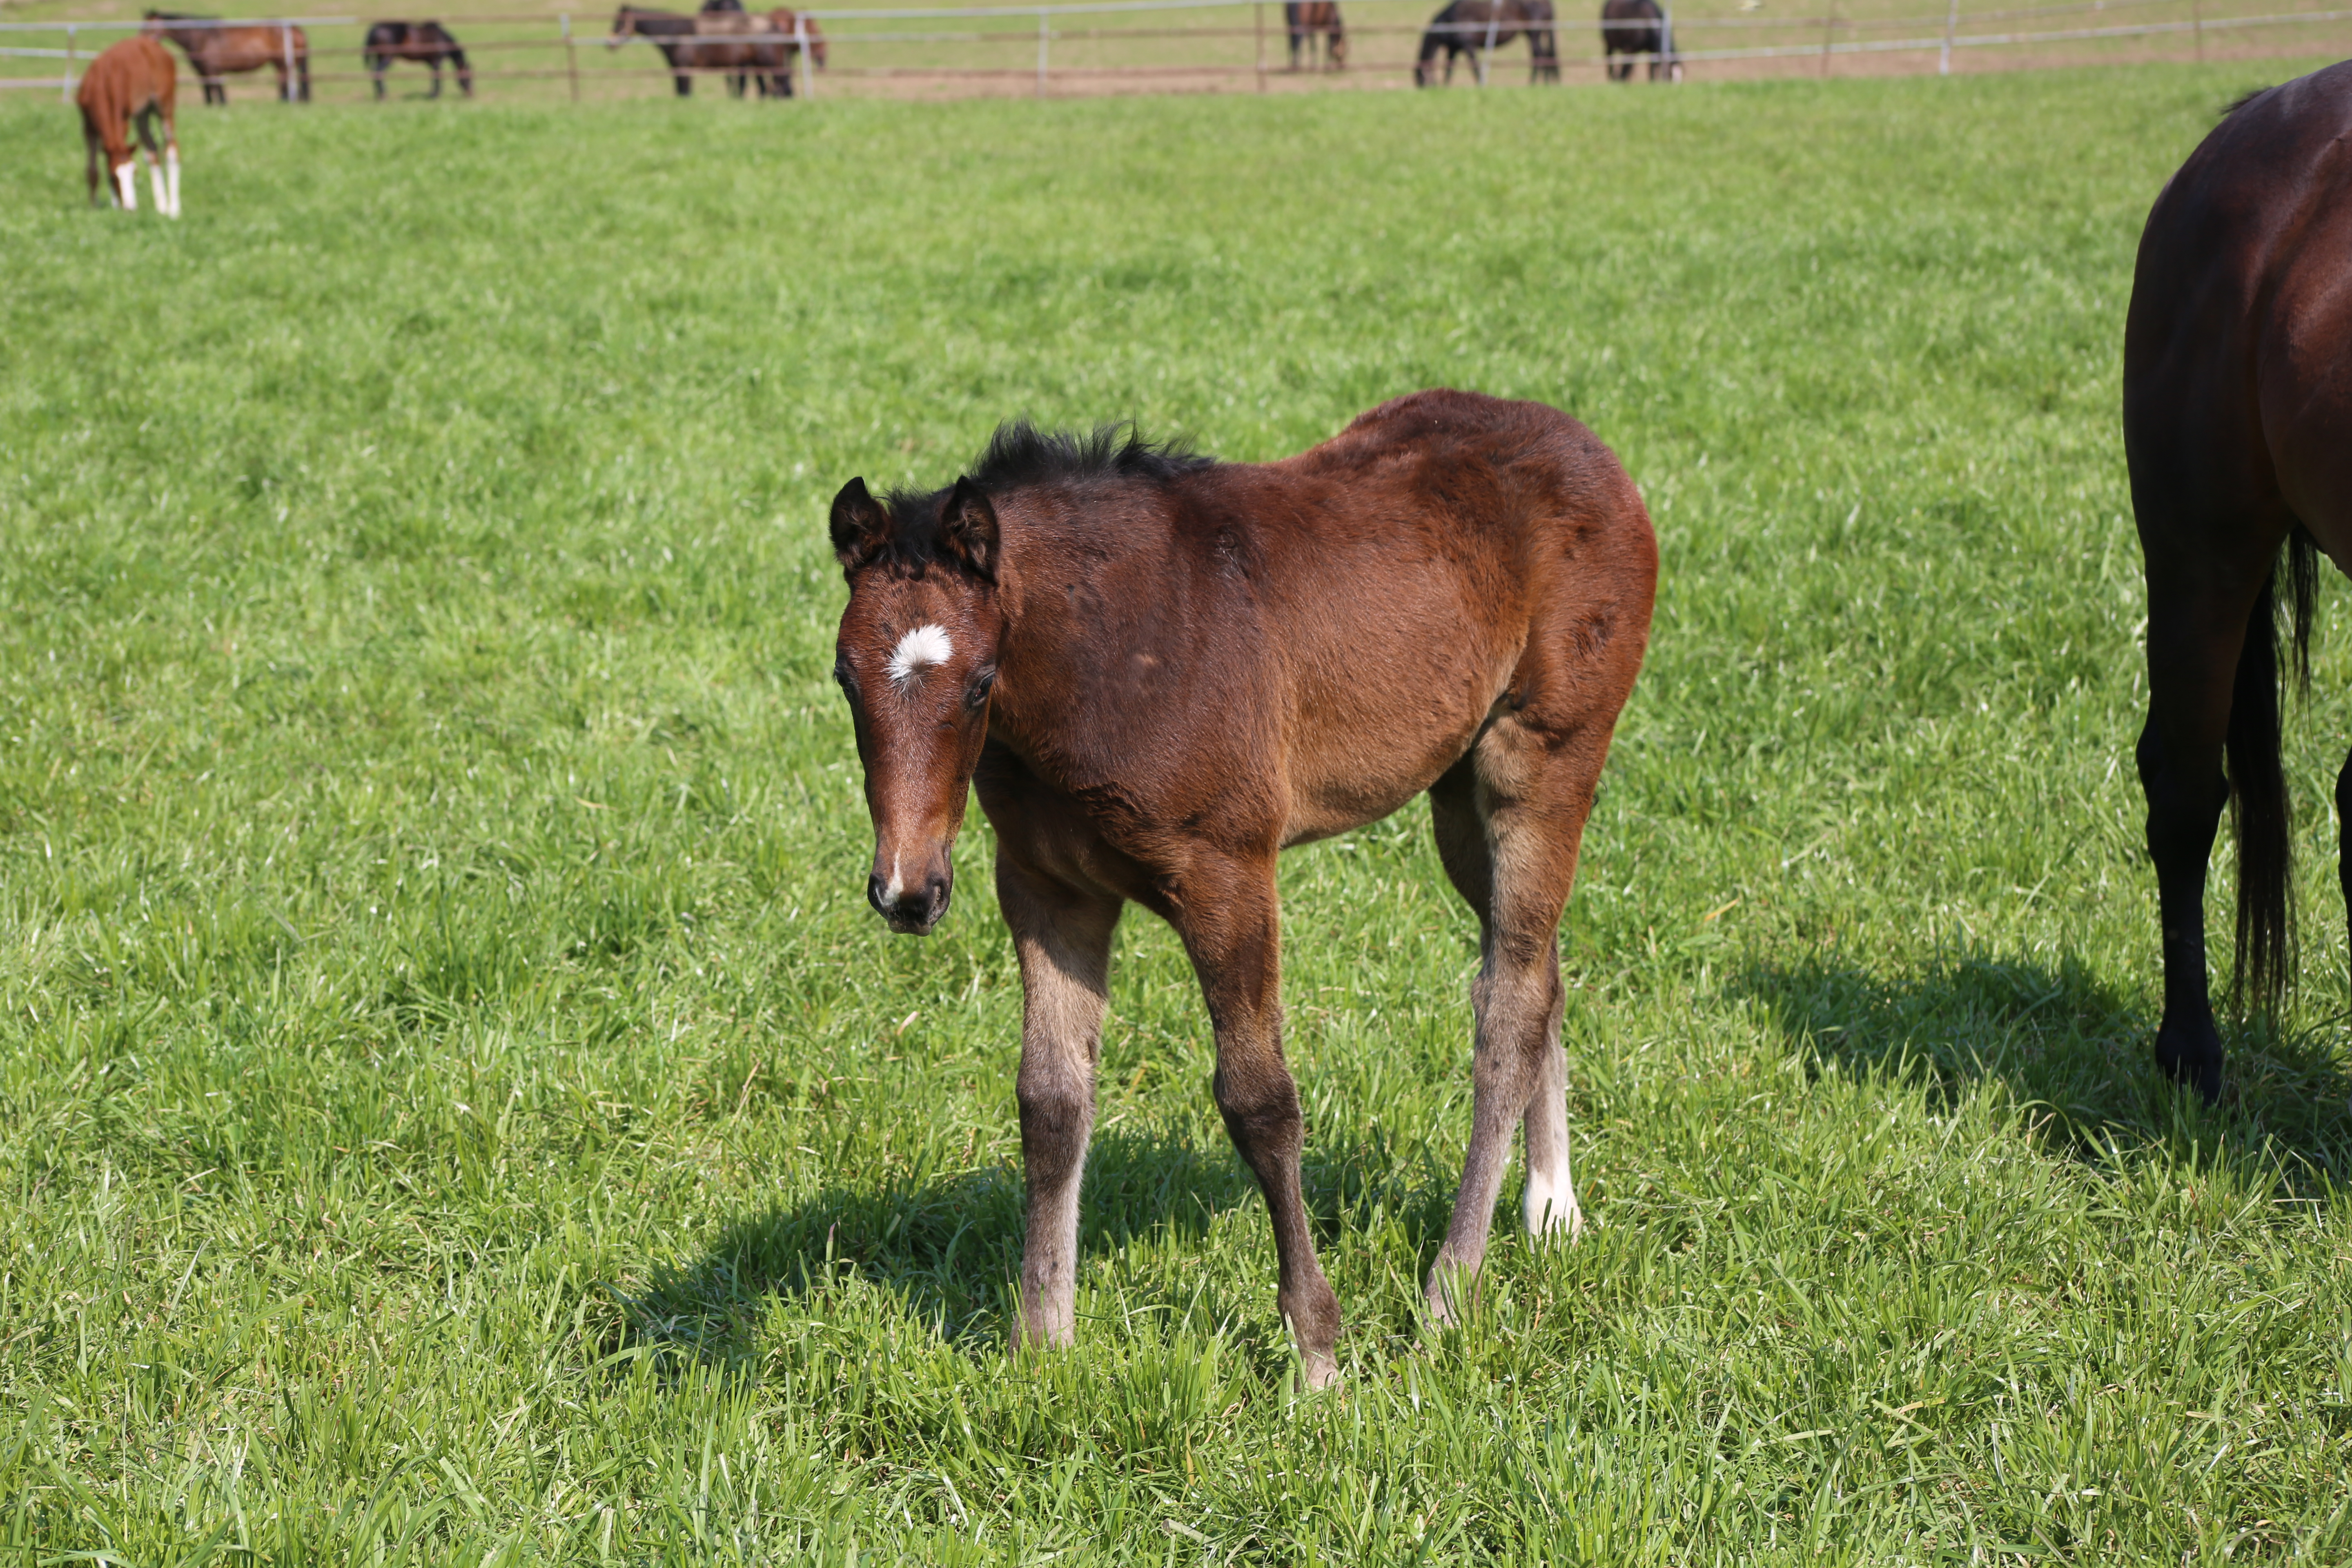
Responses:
[2244,100]
[1021,454]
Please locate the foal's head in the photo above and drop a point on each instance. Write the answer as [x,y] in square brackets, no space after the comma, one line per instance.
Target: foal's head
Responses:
[916,658]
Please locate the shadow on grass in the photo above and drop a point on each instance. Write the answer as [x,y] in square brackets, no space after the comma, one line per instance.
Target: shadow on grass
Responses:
[950,1248]
[2067,1040]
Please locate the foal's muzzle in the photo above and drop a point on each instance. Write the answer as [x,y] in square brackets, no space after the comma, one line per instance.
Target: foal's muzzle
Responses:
[915,908]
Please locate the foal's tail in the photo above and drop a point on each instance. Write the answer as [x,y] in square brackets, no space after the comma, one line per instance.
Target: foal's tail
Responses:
[2259,807]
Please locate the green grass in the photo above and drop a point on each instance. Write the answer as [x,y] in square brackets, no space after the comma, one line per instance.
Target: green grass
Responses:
[455,1103]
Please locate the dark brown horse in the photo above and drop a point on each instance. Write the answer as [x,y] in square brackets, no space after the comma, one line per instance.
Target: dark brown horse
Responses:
[745,49]
[426,43]
[2237,428]
[130,85]
[792,26]
[1638,29]
[1309,20]
[216,48]
[1159,671]
[1479,27]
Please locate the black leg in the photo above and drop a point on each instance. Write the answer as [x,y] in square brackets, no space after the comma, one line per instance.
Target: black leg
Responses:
[2344,821]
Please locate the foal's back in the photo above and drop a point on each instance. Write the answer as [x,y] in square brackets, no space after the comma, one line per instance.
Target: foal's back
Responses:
[1446,556]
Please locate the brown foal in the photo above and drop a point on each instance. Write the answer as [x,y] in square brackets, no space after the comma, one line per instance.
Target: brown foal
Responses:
[2238,428]
[127,88]
[1159,671]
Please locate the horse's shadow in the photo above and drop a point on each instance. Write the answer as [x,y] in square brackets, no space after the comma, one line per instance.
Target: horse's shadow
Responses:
[948,1246]
[2065,1041]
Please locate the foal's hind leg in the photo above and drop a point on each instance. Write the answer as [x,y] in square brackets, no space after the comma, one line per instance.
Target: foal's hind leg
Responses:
[145,125]
[1549,1202]
[1509,819]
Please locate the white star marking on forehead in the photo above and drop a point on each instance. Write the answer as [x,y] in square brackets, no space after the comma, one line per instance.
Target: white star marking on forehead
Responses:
[923,647]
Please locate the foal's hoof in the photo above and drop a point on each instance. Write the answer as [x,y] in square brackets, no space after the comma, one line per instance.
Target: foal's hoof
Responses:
[2191,1056]
[1448,1293]
[1318,1371]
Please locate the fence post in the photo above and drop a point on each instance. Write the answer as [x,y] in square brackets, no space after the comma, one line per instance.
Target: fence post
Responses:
[1829,31]
[286,48]
[1261,44]
[1493,13]
[802,67]
[65,92]
[571,56]
[1951,22]
[1042,35]
[2198,12]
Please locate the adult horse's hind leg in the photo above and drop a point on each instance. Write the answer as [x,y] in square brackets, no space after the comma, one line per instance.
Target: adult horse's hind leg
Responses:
[1062,935]
[2197,632]
[2344,834]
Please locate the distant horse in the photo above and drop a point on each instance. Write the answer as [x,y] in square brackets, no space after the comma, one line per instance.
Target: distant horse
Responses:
[1638,28]
[718,41]
[781,31]
[2238,432]
[1158,670]
[132,83]
[427,43]
[216,48]
[1474,27]
[1309,20]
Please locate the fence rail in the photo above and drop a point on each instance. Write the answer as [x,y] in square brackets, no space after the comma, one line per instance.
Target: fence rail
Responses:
[526,54]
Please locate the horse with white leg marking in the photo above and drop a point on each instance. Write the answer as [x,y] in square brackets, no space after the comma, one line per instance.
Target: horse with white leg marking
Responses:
[132,84]
[1159,671]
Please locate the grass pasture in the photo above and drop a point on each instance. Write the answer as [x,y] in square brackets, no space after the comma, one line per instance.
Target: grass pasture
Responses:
[455,1104]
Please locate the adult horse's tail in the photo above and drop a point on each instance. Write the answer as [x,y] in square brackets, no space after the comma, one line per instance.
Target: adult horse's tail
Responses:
[2259,814]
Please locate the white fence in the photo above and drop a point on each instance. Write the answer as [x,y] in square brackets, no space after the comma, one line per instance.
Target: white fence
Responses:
[1096,46]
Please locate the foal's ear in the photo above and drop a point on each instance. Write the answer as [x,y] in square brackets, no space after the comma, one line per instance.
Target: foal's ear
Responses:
[860,526]
[967,529]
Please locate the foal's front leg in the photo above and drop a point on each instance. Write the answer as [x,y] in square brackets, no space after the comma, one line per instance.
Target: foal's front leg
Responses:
[1230,925]
[1063,936]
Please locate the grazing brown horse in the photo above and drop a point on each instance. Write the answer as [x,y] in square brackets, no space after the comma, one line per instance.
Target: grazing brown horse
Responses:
[1309,20]
[783,22]
[1636,29]
[427,43]
[216,48]
[132,83]
[729,41]
[1476,27]
[2238,430]
[1159,671]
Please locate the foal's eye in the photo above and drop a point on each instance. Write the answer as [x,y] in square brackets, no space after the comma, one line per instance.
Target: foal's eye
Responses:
[977,692]
[840,675]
